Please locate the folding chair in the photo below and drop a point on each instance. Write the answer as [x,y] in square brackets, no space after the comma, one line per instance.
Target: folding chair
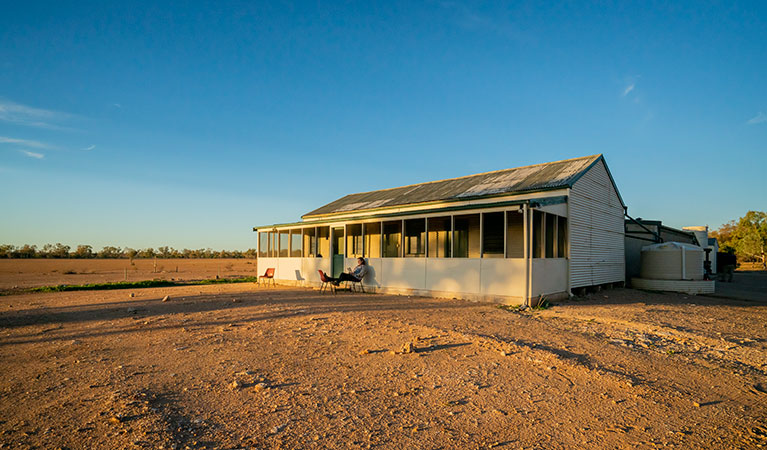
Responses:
[326,282]
[356,285]
[267,276]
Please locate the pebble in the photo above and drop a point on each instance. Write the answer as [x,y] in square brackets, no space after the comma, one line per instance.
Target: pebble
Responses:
[276,429]
[696,404]
[132,295]
[260,387]
[166,298]
[408,347]
[236,384]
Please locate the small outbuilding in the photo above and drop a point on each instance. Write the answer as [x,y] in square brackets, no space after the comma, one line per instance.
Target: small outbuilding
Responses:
[512,236]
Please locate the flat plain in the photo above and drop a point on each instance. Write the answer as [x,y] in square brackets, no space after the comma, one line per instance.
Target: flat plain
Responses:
[241,366]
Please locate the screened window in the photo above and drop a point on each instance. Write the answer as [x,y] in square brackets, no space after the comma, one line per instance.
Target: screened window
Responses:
[515,234]
[323,242]
[274,245]
[373,240]
[492,235]
[295,243]
[538,224]
[466,236]
[354,241]
[415,237]
[392,234]
[551,234]
[561,237]
[439,237]
[284,244]
[310,243]
[263,244]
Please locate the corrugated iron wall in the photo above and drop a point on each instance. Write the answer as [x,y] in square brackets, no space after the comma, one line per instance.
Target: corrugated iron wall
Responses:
[596,231]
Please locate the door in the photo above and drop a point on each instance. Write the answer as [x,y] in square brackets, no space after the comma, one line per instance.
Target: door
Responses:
[337,262]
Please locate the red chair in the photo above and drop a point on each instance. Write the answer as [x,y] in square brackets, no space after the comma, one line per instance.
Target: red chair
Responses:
[326,281]
[267,276]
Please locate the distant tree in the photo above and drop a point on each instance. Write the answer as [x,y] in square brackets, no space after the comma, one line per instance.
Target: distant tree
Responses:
[57,250]
[110,252]
[250,253]
[26,251]
[747,236]
[752,235]
[146,253]
[6,251]
[83,251]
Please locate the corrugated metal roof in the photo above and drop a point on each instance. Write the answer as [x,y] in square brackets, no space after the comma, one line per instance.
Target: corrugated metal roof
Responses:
[539,177]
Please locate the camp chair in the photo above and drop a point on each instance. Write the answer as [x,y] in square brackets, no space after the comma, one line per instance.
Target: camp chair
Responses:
[326,282]
[355,285]
[268,275]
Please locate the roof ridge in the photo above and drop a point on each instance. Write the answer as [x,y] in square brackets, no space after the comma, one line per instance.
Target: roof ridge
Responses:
[472,175]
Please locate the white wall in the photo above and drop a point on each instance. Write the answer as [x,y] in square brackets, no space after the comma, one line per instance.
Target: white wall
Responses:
[301,270]
[505,277]
[476,278]
[549,276]
[453,275]
[597,254]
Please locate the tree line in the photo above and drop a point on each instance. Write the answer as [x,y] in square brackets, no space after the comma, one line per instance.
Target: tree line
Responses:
[745,237]
[62,251]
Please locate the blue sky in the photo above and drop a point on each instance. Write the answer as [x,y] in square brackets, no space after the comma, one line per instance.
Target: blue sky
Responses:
[185,124]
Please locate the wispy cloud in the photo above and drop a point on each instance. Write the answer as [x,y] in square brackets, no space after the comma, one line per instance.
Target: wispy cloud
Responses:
[759,118]
[90,147]
[468,17]
[24,142]
[33,154]
[33,117]
[628,89]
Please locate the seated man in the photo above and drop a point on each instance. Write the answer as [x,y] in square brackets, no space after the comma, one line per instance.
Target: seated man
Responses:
[356,275]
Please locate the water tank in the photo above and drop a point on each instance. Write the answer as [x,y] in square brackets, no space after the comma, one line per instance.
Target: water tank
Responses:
[672,261]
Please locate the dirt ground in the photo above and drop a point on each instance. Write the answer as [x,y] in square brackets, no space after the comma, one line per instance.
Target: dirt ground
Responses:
[237,366]
[24,273]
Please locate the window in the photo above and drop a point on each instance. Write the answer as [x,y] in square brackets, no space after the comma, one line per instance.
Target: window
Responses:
[263,244]
[492,235]
[537,251]
[284,244]
[439,237]
[466,236]
[310,243]
[373,240]
[354,241]
[415,237]
[551,233]
[295,243]
[515,234]
[323,242]
[561,237]
[392,232]
[273,246]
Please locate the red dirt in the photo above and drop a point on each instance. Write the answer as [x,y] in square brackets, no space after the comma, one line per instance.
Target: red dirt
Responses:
[24,273]
[236,366]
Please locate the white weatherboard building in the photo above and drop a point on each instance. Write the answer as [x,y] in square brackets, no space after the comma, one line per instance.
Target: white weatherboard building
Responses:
[511,236]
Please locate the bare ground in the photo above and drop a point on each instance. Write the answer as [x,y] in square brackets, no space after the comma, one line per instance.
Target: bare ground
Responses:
[17,274]
[236,366]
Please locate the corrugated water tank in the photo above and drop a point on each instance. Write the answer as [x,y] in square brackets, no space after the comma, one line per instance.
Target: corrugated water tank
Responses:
[672,261]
